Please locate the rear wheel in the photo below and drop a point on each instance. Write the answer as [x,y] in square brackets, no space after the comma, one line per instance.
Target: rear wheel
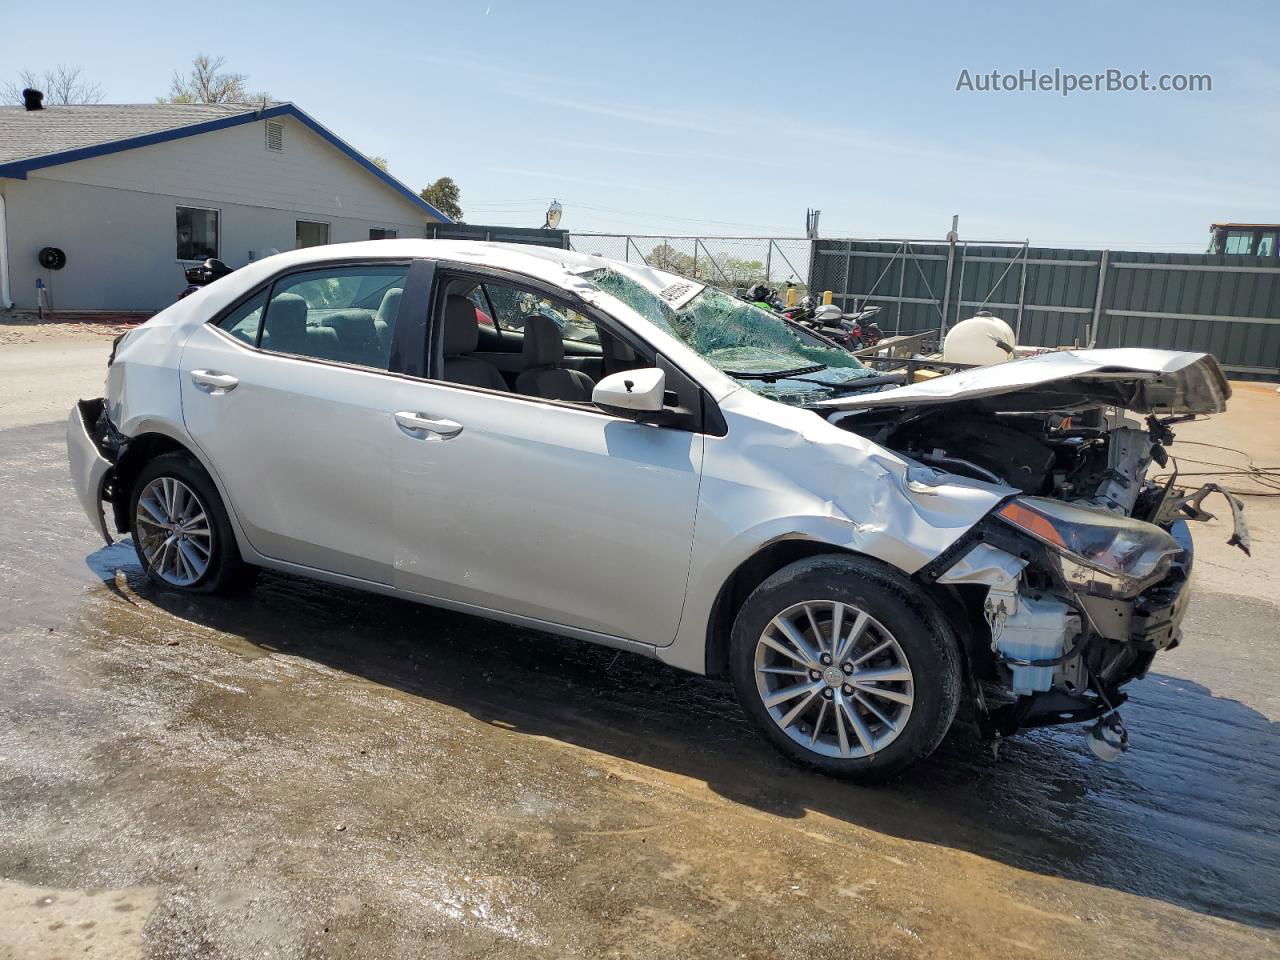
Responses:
[181,531]
[844,667]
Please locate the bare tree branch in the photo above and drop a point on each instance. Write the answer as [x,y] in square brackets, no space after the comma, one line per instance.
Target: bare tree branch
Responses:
[61,86]
[207,82]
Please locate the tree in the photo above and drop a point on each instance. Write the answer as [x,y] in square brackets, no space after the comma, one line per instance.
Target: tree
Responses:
[379,162]
[60,86]
[209,83]
[445,196]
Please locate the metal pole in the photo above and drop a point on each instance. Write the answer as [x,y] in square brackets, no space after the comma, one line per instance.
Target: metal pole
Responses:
[946,291]
[902,277]
[964,257]
[768,262]
[1022,292]
[1092,335]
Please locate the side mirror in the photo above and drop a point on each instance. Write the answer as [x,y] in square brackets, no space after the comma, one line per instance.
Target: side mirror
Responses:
[631,392]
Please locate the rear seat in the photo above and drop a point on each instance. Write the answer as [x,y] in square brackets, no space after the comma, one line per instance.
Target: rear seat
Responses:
[358,340]
[286,330]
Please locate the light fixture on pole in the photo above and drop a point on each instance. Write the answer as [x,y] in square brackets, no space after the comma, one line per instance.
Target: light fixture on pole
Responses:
[553,215]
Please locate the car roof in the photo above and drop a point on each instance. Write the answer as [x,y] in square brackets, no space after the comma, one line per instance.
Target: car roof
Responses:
[548,263]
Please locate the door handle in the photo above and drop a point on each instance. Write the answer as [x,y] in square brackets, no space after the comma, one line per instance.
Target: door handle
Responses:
[211,382]
[417,423]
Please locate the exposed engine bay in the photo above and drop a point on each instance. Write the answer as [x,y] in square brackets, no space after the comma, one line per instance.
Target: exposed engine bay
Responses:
[1069,590]
[1089,458]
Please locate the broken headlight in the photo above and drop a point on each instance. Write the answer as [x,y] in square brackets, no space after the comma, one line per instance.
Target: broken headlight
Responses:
[1099,551]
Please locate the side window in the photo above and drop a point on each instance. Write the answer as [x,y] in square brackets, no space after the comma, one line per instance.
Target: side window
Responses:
[1267,245]
[514,306]
[1239,241]
[345,314]
[547,350]
[243,322]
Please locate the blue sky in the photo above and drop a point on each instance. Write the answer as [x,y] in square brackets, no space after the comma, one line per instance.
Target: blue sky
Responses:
[732,118]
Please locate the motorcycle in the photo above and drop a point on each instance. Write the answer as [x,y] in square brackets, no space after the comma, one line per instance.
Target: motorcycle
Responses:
[853,331]
[203,275]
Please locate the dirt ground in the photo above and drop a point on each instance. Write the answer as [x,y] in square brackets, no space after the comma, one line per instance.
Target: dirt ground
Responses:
[311,772]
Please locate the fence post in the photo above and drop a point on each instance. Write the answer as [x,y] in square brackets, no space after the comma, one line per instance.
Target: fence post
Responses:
[1091,336]
[946,293]
[768,262]
[1022,292]
[902,279]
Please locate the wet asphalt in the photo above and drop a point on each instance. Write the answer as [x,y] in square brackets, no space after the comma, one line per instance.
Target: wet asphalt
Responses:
[305,771]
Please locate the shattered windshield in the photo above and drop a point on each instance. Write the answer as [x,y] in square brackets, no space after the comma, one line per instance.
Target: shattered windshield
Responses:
[753,345]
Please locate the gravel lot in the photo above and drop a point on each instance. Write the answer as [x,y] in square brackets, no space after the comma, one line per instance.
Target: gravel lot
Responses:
[310,772]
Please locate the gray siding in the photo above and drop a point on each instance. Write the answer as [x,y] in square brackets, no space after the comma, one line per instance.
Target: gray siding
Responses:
[115,215]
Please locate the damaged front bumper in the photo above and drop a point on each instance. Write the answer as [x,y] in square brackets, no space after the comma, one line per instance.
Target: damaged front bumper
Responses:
[1054,651]
[90,469]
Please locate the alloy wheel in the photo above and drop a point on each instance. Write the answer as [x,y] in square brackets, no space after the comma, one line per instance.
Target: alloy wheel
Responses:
[174,531]
[834,679]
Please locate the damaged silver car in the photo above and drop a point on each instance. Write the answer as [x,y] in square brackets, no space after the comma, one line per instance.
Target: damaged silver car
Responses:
[627,457]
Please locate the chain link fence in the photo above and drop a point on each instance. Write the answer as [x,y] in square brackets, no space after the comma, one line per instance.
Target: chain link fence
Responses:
[731,263]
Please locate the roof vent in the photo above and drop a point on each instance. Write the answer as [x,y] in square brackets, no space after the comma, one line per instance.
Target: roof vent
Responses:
[32,99]
[275,136]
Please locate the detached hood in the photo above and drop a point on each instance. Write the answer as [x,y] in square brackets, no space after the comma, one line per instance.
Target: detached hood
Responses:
[1144,381]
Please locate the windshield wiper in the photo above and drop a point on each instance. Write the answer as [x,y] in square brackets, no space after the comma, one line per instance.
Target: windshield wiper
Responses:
[772,375]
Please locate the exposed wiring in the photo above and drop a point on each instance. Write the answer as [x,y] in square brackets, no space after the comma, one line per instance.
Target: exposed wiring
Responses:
[1266,477]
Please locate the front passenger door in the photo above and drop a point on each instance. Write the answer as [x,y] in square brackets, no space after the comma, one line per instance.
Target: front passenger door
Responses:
[547,510]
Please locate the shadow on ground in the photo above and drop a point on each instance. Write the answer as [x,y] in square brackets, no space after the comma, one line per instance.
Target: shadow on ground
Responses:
[1189,816]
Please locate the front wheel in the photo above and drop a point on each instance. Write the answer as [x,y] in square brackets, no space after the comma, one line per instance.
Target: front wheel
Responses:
[181,531]
[845,667]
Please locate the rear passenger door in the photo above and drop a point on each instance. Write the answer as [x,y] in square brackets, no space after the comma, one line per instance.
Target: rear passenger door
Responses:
[288,396]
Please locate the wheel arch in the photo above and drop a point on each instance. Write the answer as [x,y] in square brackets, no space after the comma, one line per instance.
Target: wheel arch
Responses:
[154,439]
[943,607]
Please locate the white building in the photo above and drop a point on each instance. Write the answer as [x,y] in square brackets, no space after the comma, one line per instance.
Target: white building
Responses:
[134,194]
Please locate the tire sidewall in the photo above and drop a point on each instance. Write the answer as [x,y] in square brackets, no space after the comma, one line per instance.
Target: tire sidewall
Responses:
[888,597]
[224,558]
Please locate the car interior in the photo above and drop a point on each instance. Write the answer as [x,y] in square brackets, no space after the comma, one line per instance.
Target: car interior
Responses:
[503,338]
[348,320]
[495,336]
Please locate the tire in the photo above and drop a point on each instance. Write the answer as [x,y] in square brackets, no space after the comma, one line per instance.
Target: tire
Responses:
[204,557]
[865,730]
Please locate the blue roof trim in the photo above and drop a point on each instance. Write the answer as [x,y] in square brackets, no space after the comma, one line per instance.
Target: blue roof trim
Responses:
[18,169]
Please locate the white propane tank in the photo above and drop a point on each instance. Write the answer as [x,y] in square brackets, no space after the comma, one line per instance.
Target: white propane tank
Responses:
[978,340]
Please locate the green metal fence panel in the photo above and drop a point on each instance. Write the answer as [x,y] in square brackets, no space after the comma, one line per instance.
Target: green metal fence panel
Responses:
[1225,305]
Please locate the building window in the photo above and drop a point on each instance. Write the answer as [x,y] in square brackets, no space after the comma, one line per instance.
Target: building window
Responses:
[310,233]
[197,233]
[275,136]
[378,233]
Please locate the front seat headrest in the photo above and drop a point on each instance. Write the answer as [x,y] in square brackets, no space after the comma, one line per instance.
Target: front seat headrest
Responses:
[390,305]
[543,342]
[461,332]
[287,314]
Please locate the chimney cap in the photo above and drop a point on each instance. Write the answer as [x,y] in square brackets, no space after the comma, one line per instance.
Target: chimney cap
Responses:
[32,99]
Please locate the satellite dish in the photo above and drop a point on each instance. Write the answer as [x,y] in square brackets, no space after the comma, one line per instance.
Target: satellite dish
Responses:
[553,215]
